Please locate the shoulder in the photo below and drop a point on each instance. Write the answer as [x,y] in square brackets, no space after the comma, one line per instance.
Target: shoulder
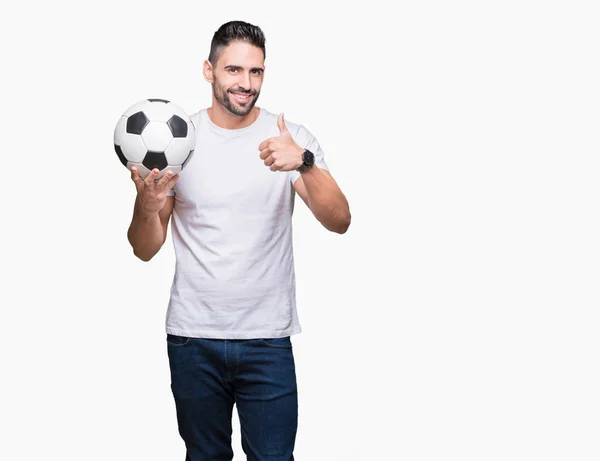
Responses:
[196,117]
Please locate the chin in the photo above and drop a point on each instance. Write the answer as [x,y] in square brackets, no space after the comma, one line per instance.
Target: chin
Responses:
[245,110]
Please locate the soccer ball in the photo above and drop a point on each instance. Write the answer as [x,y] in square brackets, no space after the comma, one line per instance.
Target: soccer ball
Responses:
[155,133]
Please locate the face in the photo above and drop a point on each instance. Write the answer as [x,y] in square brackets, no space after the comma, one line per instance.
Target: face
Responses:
[237,77]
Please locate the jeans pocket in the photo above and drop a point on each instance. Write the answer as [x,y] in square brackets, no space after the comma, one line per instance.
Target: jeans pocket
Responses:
[177,341]
[279,343]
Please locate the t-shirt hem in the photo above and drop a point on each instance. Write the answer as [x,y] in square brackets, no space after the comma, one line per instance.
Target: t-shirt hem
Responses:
[234,335]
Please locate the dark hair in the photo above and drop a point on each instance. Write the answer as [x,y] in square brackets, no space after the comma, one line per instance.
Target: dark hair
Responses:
[232,31]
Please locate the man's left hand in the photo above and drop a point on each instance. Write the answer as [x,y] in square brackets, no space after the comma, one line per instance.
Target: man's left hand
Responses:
[281,153]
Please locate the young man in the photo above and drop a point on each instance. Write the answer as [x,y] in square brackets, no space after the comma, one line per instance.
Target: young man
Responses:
[232,307]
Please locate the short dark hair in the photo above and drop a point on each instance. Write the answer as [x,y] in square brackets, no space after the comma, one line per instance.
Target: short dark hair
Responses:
[232,31]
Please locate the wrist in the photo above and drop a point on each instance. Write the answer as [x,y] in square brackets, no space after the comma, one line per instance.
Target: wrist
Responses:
[143,212]
[299,162]
[308,160]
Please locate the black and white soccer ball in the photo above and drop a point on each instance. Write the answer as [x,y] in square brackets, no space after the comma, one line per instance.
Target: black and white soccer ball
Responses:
[155,133]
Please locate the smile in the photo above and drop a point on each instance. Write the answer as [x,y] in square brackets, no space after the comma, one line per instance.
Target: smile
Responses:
[241,97]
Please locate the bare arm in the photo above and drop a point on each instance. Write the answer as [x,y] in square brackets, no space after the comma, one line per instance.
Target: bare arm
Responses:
[151,213]
[148,231]
[315,186]
[322,195]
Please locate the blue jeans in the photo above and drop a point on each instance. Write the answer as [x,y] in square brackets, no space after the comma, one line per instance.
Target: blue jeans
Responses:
[209,375]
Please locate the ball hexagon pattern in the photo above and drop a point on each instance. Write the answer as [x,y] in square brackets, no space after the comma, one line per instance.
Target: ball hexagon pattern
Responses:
[155,133]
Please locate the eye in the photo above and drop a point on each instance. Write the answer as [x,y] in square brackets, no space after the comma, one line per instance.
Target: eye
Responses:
[256,71]
[233,70]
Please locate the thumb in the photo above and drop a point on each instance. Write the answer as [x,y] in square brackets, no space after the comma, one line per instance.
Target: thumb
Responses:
[281,124]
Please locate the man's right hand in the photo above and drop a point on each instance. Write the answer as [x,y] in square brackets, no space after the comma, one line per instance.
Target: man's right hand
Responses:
[151,194]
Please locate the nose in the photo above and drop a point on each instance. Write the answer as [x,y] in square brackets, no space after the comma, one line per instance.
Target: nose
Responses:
[244,81]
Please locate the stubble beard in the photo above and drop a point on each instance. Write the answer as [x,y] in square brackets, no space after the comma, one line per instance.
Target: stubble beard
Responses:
[222,96]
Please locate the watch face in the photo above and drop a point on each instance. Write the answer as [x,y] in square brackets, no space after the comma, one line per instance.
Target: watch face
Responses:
[308,157]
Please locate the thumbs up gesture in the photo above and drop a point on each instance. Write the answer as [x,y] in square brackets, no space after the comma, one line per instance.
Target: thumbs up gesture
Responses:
[281,153]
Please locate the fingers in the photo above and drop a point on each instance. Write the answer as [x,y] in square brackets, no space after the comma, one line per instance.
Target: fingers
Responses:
[272,162]
[151,177]
[264,153]
[162,182]
[172,181]
[135,176]
[167,180]
[281,124]
[263,145]
[269,160]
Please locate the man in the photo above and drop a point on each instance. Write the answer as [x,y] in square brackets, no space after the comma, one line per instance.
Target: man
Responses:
[232,307]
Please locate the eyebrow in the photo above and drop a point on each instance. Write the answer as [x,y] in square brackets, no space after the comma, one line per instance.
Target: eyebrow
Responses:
[231,66]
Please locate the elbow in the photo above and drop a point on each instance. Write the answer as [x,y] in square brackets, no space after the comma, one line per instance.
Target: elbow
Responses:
[342,225]
[143,257]
[344,228]
[145,250]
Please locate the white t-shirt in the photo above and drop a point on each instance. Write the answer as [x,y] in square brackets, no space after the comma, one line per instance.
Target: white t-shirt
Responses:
[232,235]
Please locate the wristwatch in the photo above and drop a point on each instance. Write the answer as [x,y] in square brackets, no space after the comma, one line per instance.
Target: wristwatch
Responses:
[308,160]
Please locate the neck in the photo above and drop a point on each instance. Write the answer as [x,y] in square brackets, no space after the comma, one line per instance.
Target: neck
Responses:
[225,119]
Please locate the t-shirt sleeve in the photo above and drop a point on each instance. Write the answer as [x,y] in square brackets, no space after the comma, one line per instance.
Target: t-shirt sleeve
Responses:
[306,140]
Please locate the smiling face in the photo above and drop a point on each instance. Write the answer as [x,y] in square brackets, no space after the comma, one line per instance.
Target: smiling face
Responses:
[236,77]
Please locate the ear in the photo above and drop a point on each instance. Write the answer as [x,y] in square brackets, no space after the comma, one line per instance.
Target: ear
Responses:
[208,71]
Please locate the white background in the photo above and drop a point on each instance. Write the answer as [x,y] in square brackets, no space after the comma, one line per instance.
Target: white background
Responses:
[456,319]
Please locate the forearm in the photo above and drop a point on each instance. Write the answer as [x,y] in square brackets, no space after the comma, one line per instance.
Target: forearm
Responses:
[145,233]
[326,200]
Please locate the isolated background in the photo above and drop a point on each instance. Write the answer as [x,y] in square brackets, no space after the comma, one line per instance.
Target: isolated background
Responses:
[457,318]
